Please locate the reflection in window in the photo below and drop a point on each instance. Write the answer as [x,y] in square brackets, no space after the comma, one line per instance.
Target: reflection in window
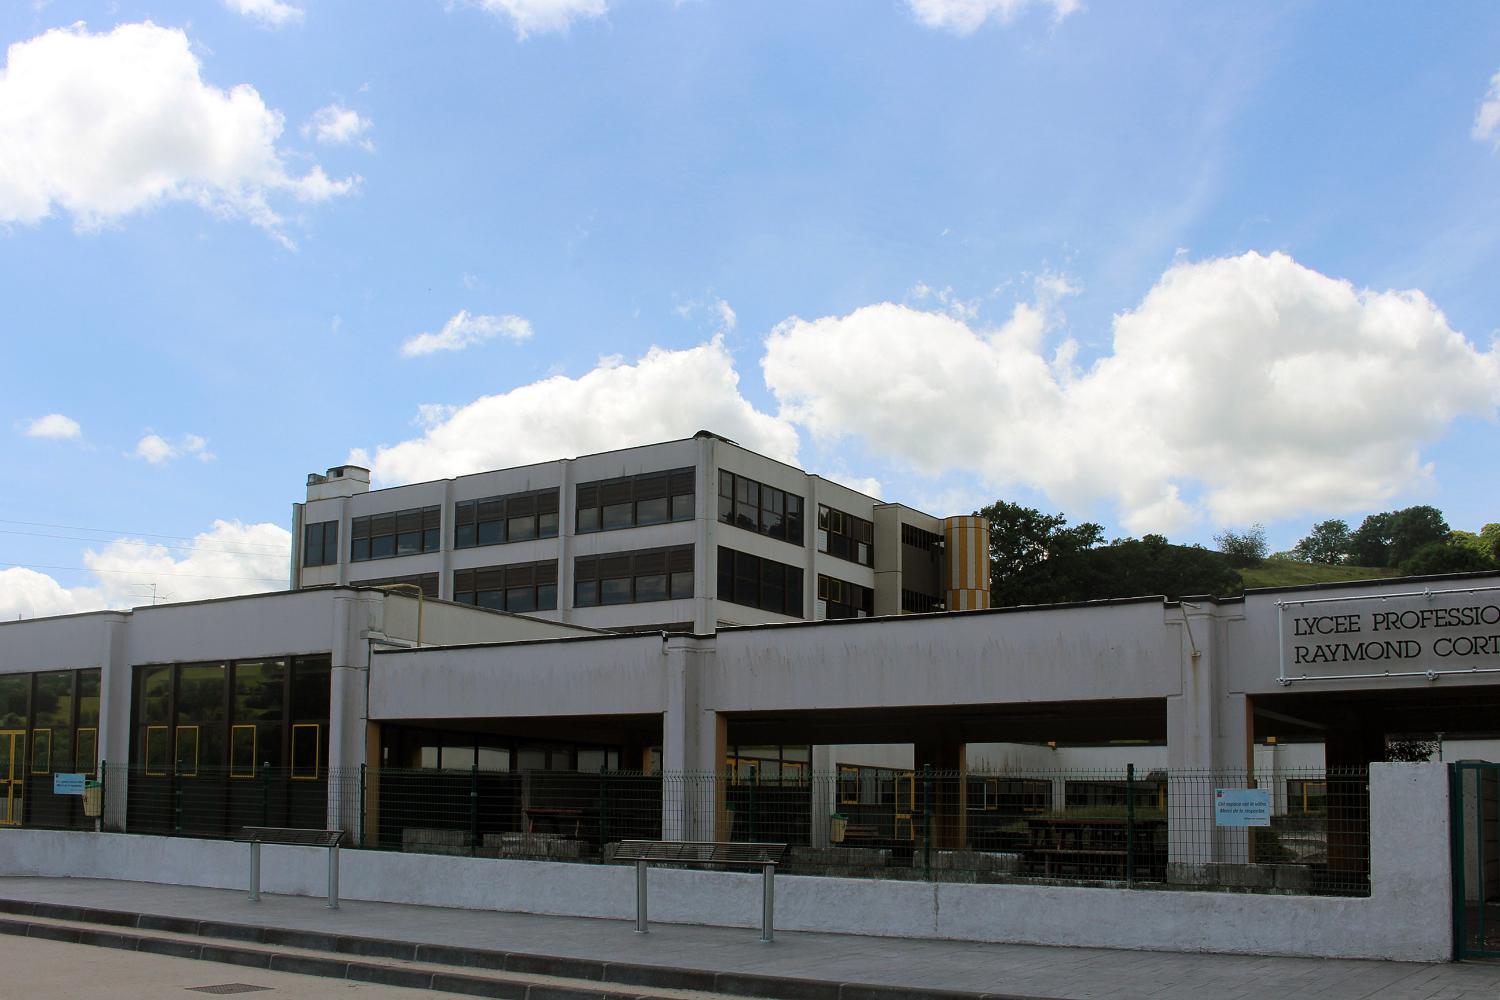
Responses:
[187,751]
[86,755]
[242,752]
[158,750]
[306,738]
[41,751]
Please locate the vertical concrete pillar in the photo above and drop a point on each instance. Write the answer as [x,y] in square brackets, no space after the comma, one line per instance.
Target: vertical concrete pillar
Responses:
[823,773]
[116,688]
[948,796]
[1208,747]
[694,744]
[567,527]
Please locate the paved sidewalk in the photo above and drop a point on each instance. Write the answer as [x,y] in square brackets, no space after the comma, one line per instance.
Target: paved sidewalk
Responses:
[1020,970]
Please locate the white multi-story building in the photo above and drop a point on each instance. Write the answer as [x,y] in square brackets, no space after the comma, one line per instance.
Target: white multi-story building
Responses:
[684,535]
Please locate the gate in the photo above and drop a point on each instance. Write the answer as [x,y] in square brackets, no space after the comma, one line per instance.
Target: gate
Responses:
[1474,798]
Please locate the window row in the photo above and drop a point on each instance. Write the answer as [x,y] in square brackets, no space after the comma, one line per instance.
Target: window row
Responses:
[845,536]
[49,722]
[517,517]
[843,599]
[428,582]
[762,509]
[633,577]
[520,587]
[635,501]
[234,718]
[918,603]
[760,583]
[320,544]
[917,538]
[403,533]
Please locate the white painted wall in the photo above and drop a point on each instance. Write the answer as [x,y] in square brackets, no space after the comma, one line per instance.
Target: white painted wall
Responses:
[1406,917]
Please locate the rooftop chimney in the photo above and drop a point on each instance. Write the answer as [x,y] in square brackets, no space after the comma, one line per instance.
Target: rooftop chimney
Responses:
[339,481]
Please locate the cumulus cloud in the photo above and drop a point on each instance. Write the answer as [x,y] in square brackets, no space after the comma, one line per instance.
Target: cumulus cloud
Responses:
[336,125]
[964,17]
[1260,385]
[272,13]
[664,395]
[540,16]
[55,426]
[158,450]
[104,125]
[230,558]
[464,330]
[1487,118]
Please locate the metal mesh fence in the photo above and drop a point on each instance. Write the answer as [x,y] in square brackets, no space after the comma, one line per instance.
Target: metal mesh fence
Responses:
[1162,829]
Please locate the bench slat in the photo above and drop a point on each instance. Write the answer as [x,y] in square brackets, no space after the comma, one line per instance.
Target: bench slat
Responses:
[291,836]
[700,852]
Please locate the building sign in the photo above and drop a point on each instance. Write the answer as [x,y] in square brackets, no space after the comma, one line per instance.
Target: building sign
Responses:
[67,784]
[1242,807]
[1438,632]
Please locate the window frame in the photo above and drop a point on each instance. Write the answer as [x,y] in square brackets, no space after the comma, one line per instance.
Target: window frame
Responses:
[37,742]
[292,763]
[428,538]
[234,769]
[677,488]
[748,498]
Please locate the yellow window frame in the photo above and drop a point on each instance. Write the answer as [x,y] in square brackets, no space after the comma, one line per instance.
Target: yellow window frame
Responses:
[41,751]
[849,772]
[91,759]
[166,751]
[298,772]
[177,756]
[236,768]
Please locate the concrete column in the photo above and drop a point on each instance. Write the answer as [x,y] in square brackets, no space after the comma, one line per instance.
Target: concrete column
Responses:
[947,797]
[705,539]
[348,707]
[567,525]
[823,773]
[1208,746]
[116,684]
[694,742]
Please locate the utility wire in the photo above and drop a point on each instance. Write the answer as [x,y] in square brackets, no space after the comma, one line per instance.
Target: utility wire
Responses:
[196,547]
[150,573]
[113,531]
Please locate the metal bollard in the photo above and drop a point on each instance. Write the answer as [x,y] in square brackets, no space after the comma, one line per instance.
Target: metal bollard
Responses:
[333,877]
[640,897]
[255,871]
[768,906]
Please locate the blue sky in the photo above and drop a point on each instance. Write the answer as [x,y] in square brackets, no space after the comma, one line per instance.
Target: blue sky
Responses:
[1171,267]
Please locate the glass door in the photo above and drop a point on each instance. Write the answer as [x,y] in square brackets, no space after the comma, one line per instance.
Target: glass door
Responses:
[12,775]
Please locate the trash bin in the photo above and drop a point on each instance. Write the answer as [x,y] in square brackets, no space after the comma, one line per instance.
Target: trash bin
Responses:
[837,825]
[93,799]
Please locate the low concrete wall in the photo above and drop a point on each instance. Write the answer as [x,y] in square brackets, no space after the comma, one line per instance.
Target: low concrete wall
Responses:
[1406,917]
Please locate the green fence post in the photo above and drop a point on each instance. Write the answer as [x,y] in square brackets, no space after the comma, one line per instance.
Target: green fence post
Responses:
[603,812]
[473,809]
[927,820]
[754,783]
[1130,824]
[360,833]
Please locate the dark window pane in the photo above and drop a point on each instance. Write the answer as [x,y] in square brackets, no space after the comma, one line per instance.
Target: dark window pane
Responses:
[651,588]
[331,543]
[359,550]
[546,597]
[464,535]
[772,585]
[616,515]
[464,597]
[312,545]
[547,525]
[408,542]
[520,599]
[651,511]
[615,591]
[382,546]
[746,580]
[726,510]
[746,516]
[588,519]
[682,585]
[726,484]
[494,600]
[491,532]
[519,529]
[430,541]
[259,690]
[771,523]
[585,593]
[726,575]
[683,507]
[310,690]
[794,591]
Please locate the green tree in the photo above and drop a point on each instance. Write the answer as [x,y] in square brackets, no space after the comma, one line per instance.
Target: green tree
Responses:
[1036,558]
[1445,557]
[1490,535]
[1327,542]
[1390,538]
[1244,548]
[1132,567]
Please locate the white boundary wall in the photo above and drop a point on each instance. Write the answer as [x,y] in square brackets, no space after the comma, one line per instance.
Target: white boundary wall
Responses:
[1406,917]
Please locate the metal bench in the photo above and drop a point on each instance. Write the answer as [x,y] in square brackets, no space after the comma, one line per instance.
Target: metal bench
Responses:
[291,837]
[704,854]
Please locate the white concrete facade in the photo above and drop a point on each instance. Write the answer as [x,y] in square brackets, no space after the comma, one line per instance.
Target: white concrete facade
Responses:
[706,454]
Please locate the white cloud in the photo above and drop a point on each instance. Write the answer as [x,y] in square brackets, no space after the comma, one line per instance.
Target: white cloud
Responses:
[336,125]
[272,13]
[230,558]
[54,425]
[464,331]
[664,395]
[104,125]
[158,450]
[540,16]
[868,485]
[964,17]
[1487,118]
[1271,388]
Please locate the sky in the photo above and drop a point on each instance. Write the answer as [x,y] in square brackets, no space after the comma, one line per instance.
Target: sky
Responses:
[1170,267]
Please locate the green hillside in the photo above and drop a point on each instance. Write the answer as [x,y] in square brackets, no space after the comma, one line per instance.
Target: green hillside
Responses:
[1287,573]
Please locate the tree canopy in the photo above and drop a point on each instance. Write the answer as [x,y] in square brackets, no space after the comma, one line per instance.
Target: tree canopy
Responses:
[1391,538]
[1327,542]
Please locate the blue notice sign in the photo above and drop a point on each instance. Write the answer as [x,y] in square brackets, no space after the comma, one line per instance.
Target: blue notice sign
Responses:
[1242,807]
[67,784]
